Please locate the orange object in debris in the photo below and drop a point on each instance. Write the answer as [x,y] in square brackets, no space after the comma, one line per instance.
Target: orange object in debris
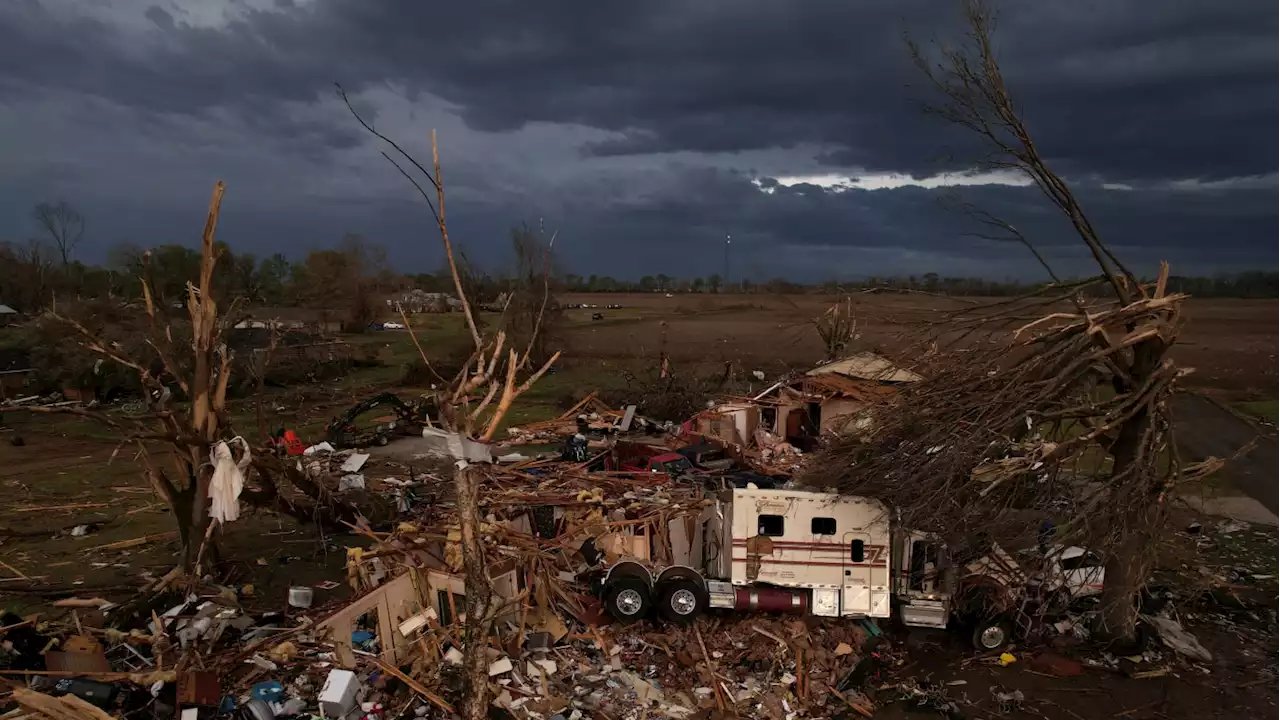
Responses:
[292,444]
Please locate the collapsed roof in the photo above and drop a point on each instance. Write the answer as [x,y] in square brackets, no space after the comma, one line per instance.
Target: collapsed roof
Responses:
[866,366]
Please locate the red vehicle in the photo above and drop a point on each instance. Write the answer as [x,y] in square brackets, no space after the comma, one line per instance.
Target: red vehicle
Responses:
[656,459]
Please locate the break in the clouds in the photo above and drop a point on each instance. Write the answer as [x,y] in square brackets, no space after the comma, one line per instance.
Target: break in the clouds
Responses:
[646,132]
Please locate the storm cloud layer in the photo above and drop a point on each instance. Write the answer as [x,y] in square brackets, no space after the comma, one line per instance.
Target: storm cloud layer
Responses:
[647,132]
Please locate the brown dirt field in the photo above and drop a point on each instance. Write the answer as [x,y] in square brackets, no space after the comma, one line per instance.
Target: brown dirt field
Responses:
[1230,343]
[52,471]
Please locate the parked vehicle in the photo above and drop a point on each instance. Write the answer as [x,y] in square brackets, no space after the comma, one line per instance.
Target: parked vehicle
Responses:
[833,556]
[707,456]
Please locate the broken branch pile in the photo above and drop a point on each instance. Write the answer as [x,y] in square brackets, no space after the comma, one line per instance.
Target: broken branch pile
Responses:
[1008,429]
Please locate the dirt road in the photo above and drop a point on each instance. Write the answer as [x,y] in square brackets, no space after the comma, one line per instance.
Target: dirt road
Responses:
[1206,429]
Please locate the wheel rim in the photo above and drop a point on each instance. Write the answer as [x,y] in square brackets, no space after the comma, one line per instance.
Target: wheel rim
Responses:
[683,602]
[629,602]
[992,637]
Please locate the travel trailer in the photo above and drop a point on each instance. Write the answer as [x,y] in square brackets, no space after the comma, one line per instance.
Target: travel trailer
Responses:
[828,555]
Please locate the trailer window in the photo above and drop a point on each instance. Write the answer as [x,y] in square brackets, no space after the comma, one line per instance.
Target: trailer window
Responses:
[857,551]
[770,525]
[822,526]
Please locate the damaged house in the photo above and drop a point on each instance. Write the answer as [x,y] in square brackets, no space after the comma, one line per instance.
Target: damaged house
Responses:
[798,410]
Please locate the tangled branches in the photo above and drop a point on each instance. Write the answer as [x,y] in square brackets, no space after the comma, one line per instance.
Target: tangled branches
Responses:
[467,404]
[1010,429]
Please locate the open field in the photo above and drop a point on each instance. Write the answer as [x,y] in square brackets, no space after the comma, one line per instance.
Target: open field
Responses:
[1231,343]
[65,475]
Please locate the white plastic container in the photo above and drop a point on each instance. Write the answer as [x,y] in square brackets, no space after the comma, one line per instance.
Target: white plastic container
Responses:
[339,695]
[301,596]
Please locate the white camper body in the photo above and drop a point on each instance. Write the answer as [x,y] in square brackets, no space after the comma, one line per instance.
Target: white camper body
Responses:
[825,554]
[822,553]
[834,545]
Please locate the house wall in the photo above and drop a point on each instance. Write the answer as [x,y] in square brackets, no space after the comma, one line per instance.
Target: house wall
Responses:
[784,413]
[730,424]
[838,412]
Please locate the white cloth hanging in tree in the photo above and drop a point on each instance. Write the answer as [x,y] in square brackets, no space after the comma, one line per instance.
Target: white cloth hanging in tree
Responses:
[228,479]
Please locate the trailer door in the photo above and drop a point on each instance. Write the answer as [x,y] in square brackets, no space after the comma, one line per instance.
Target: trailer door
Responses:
[855,595]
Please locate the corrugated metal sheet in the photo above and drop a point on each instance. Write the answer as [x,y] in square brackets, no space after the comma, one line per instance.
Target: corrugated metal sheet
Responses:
[866,366]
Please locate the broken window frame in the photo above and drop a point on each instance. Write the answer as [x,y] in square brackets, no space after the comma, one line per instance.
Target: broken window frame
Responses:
[763,530]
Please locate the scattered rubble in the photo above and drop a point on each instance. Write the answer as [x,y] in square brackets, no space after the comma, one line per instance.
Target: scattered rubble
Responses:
[397,647]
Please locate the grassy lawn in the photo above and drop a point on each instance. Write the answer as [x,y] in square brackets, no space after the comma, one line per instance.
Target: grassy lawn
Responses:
[308,408]
[1262,409]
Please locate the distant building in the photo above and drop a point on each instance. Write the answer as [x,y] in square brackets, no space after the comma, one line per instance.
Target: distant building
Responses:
[419,301]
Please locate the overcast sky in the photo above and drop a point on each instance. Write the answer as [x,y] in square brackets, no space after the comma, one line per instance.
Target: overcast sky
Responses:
[645,131]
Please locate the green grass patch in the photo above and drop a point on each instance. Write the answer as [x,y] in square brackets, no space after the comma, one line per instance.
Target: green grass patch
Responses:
[1262,409]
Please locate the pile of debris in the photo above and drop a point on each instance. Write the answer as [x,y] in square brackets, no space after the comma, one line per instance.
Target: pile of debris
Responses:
[588,415]
[396,648]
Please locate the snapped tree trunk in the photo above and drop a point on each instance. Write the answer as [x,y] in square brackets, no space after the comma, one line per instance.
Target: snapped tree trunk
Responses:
[479,602]
[1131,558]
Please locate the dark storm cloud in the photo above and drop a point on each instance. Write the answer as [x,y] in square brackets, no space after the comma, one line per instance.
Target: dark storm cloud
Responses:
[1126,89]
[160,17]
[1117,91]
[806,231]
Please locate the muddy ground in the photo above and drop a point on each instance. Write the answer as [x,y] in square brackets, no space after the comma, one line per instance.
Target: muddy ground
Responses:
[61,478]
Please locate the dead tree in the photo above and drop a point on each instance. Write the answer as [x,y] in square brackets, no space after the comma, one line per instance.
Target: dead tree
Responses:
[467,406]
[531,312]
[64,224]
[1126,340]
[200,369]
[838,328]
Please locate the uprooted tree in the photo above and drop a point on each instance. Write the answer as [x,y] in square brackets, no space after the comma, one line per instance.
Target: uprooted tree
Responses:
[1054,405]
[466,405]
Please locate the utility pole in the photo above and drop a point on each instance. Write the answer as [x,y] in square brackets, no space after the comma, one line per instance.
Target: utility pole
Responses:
[727,240]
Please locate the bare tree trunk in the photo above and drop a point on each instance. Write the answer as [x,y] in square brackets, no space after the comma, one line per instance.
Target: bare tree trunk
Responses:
[1130,560]
[180,508]
[199,519]
[457,415]
[479,603]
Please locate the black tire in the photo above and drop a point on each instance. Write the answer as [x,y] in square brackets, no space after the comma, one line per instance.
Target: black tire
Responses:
[380,440]
[682,600]
[992,634]
[628,599]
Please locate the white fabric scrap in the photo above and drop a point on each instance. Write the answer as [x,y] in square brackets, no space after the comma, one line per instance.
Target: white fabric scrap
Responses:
[228,479]
[318,447]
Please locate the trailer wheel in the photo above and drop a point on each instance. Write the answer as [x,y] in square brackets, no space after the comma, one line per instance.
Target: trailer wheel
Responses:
[627,598]
[682,600]
[991,634]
